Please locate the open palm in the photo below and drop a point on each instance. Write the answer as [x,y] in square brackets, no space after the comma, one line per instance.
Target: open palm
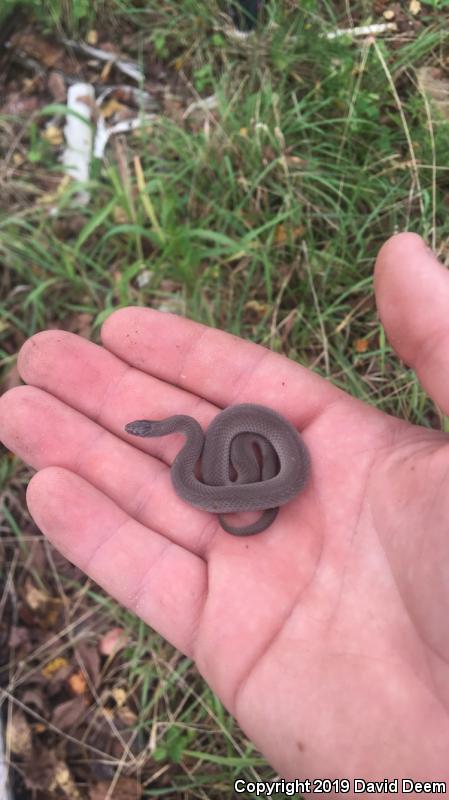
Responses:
[326,635]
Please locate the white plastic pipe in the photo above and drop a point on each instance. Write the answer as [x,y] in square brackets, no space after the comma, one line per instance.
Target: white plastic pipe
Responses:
[78,133]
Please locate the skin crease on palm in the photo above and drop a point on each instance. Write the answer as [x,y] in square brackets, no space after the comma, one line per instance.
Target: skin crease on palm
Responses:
[326,635]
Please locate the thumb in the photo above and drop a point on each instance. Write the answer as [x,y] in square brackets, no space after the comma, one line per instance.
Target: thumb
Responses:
[412,295]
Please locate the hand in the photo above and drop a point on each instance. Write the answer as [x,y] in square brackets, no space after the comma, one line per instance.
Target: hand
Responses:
[326,635]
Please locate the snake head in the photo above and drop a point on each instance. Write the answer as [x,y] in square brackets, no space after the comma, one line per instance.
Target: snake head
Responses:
[140,427]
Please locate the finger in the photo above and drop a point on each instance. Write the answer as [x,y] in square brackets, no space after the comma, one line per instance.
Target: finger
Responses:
[412,294]
[155,578]
[100,385]
[45,432]
[215,365]
[103,387]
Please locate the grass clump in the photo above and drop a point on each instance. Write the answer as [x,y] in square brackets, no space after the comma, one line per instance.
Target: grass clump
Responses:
[260,212]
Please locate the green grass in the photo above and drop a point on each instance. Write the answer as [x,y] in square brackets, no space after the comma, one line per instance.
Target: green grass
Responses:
[266,217]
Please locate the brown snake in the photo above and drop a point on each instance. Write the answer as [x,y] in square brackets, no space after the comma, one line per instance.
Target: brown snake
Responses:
[231,439]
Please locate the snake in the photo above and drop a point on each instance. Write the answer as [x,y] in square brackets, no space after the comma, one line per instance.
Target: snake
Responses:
[252,458]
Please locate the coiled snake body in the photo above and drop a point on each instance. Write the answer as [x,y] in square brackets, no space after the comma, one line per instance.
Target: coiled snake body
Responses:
[262,483]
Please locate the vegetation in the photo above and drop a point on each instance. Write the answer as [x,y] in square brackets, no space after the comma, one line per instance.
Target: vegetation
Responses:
[262,216]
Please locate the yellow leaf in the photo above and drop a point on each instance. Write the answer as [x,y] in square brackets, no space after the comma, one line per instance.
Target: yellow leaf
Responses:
[36,599]
[92,37]
[361,345]
[77,683]
[119,696]
[259,308]
[53,666]
[52,613]
[179,62]
[39,727]
[111,107]
[53,135]
[281,234]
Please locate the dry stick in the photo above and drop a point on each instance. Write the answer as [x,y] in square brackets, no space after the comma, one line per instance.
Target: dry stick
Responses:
[80,662]
[108,759]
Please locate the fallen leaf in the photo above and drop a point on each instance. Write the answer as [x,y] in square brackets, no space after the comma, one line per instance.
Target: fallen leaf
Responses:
[113,641]
[124,789]
[36,599]
[127,717]
[179,63]
[38,47]
[33,698]
[53,135]
[90,660]
[260,308]
[69,714]
[19,637]
[52,614]
[112,107]
[39,727]
[62,779]
[46,609]
[17,105]
[39,771]
[119,695]
[92,37]
[54,666]
[56,86]
[18,734]
[281,234]
[361,345]
[77,683]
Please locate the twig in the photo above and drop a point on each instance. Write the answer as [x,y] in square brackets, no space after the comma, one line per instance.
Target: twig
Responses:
[129,68]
